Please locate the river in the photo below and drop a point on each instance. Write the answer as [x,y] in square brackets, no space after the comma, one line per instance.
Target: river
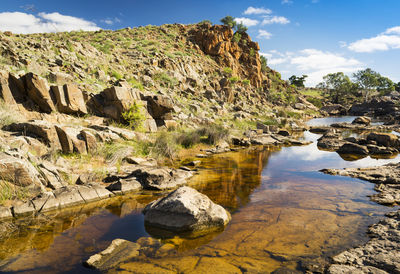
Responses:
[285,213]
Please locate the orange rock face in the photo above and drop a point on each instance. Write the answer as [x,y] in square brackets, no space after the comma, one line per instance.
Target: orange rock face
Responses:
[242,57]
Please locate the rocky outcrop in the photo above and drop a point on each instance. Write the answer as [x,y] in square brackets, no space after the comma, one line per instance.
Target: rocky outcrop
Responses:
[381,254]
[152,177]
[334,109]
[241,56]
[18,171]
[39,92]
[384,139]
[113,101]
[362,120]
[375,107]
[39,129]
[185,210]
[387,179]
[352,148]
[69,99]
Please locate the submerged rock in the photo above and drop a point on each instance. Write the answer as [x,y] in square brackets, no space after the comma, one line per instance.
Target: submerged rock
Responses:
[185,210]
[118,251]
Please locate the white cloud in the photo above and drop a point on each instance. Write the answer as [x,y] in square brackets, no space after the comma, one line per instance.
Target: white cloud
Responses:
[314,63]
[246,21]
[20,22]
[310,59]
[289,2]
[390,39]
[378,43]
[275,20]
[263,34]
[395,30]
[252,10]
[110,21]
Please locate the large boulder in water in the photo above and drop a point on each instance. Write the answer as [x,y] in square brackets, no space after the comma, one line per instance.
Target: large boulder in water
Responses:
[185,210]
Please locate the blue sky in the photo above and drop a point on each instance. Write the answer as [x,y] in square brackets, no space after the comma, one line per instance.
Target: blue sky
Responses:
[312,37]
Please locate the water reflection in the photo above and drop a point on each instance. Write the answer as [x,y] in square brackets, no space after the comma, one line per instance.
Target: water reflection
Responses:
[284,212]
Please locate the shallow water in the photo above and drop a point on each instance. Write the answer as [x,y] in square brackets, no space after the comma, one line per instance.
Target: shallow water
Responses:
[284,213]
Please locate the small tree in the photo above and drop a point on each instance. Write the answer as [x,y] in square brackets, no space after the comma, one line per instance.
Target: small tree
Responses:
[240,28]
[385,85]
[397,87]
[337,86]
[263,61]
[298,81]
[228,21]
[367,80]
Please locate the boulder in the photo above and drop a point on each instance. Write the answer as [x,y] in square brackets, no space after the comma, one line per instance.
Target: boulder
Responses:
[38,129]
[384,139]
[185,210]
[39,92]
[156,178]
[71,140]
[362,120]
[69,99]
[90,140]
[159,106]
[334,109]
[11,89]
[60,78]
[113,101]
[352,148]
[18,171]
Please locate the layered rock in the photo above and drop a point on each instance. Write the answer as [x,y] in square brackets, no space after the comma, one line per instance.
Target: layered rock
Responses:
[185,210]
[241,56]
[69,99]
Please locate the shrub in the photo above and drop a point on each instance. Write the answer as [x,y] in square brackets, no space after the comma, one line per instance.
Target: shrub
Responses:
[7,115]
[165,146]
[246,82]
[116,74]
[213,134]
[315,101]
[135,84]
[134,116]
[165,80]
[228,70]
[237,37]
[189,139]
[233,79]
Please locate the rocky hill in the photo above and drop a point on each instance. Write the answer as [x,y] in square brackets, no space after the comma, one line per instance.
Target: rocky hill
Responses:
[76,107]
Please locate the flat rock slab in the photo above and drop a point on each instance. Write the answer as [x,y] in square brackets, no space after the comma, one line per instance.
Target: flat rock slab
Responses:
[185,210]
[380,255]
[118,251]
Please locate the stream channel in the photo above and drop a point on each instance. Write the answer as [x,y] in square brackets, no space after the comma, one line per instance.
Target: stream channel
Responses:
[285,213]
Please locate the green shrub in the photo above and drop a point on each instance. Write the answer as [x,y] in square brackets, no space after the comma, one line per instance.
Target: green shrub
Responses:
[116,74]
[212,134]
[237,37]
[189,139]
[135,84]
[165,146]
[165,80]
[246,82]
[315,101]
[134,116]
[228,70]
[252,52]
[9,191]
[233,79]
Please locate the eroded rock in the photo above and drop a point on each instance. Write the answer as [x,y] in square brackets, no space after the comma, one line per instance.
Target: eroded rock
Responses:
[185,210]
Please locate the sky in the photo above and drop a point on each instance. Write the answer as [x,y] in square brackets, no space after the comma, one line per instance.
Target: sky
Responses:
[311,37]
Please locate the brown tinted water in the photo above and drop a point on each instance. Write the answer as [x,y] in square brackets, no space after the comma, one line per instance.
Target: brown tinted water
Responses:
[284,213]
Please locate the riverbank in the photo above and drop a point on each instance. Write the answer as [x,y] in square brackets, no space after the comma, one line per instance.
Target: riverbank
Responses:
[274,194]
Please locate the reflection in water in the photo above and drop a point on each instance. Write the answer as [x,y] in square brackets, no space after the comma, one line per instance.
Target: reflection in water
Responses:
[283,212]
